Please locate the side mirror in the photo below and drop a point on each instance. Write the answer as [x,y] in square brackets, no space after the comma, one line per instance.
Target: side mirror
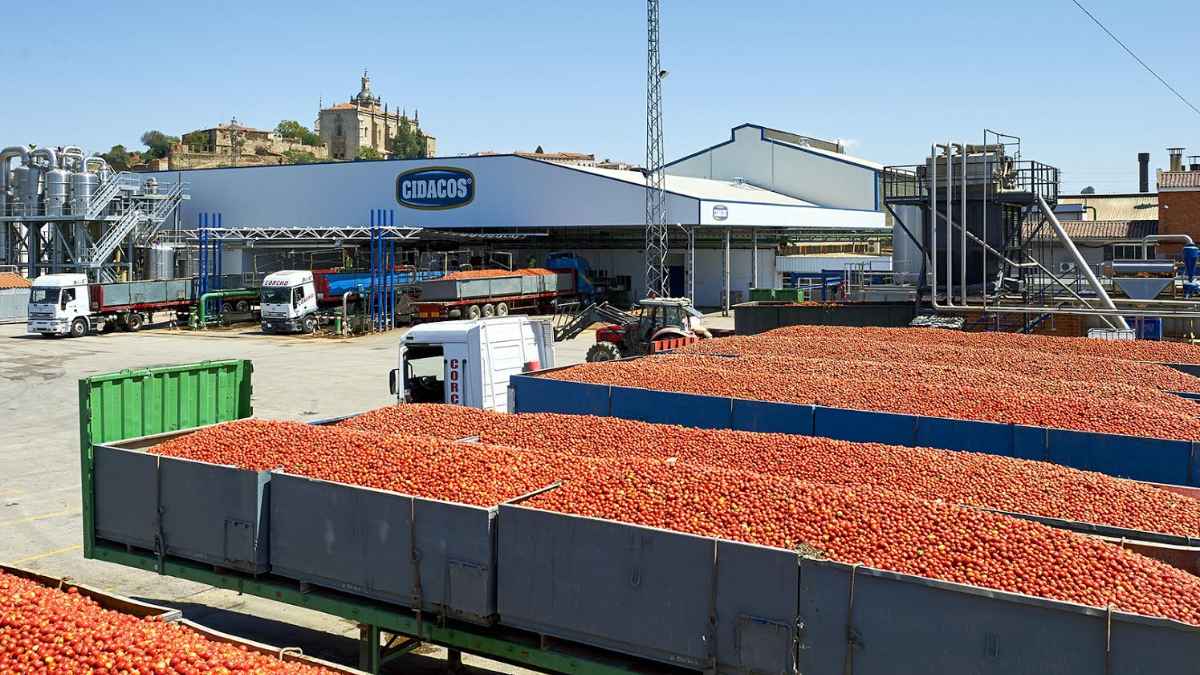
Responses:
[393,383]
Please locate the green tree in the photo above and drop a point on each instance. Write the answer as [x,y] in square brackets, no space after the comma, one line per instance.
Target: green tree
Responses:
[299,157]
[196,139]
[1089,190]
[293,130]
[367,152]
[409,142]
[159,144]
[117,157]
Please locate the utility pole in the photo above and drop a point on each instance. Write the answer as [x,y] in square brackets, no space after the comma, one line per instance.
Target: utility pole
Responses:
[657,237]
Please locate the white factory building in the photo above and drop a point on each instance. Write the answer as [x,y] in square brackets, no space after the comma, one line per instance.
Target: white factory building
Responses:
[757,180]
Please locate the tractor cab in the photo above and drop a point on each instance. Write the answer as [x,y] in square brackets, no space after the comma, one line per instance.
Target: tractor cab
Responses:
[656,319]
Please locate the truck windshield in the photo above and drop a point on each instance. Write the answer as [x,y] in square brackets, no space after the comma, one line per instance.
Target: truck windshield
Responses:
[276,295]
[424,373]
[43,296]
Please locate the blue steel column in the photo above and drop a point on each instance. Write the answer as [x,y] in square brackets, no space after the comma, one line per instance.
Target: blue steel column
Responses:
[392,273]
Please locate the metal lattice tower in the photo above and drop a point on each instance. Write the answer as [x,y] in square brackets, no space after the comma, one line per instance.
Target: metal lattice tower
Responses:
[657,238]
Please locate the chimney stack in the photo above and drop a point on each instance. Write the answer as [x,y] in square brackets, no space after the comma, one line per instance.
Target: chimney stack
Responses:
[1143,172]
[1176,158]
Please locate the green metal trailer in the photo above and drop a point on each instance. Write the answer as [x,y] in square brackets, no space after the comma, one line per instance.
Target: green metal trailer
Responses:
[156,403]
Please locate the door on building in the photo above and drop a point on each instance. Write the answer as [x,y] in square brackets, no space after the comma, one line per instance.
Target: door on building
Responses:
[675,279]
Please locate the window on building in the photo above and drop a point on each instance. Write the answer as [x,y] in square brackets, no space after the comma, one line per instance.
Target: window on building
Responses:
[1132,252]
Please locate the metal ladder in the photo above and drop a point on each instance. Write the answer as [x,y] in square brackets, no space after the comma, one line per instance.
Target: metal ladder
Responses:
[161,211]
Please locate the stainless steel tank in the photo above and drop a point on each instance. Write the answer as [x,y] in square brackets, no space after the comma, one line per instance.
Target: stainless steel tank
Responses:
[26,190]
[907,258]
[83,186]
[57,189]
[161,261]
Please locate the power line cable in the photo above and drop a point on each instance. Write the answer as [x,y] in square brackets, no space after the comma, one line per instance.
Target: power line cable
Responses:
[1136,57]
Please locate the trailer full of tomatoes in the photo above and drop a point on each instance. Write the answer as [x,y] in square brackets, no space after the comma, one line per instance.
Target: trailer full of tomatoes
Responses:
[900,387]
[968,478]
[47,630]
[878,527]
[1125,350]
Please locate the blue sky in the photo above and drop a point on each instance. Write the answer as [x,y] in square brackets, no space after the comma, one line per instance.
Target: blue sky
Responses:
[889,77]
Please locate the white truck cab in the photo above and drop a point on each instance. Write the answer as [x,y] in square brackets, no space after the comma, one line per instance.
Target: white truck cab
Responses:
[59,305]
[469,362]
[288,301]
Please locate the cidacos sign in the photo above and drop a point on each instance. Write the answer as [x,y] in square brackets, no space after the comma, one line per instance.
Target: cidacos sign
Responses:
[435,187]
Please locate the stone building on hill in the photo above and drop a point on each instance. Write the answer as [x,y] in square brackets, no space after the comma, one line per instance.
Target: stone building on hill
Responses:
[365,122]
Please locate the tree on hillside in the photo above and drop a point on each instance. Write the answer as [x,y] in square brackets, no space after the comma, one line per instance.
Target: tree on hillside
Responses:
[196,139]
[1089,190]
[293,130]
[299,157]
[409,142]
[117,157]
[159,144]
[367,152]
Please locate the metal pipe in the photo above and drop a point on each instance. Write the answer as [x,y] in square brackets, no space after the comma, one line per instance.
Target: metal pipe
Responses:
[933,220]
[75,153]
[6,156]
[726,273]
[754,258]
[48,153]
[1149,239]
[346,311]
[88,161]
[949,218]
[1080,262]
[963,228]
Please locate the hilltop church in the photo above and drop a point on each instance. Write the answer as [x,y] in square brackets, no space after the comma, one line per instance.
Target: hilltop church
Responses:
[362,123]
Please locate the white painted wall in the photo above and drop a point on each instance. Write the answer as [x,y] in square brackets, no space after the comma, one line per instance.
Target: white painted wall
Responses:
[793,171]
[509,192]
[708,270]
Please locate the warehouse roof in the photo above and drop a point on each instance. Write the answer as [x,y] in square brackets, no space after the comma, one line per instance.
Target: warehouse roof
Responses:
[1097,230]
[1179,180]
[705,188]
[13,280]
[1136,206]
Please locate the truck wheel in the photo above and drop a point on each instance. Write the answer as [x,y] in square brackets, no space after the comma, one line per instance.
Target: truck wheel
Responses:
[473,312]
[134,322]
[243,306]
[603,351]
[501,309]
[489,310]
[79,327]
[226,307]
[310,324]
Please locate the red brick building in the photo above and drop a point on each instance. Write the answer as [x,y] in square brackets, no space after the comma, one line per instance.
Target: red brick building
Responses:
[1178,205]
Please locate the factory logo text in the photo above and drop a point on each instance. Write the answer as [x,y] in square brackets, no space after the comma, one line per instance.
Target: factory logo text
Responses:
[435,187]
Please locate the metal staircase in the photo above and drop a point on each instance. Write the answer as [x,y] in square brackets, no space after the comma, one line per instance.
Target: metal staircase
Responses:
[142,217]
[109,191]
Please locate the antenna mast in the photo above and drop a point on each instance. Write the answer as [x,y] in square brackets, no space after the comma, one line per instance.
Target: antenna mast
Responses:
[657,238]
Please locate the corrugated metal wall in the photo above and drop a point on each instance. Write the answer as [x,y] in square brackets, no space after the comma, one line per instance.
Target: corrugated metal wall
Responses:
[13,305]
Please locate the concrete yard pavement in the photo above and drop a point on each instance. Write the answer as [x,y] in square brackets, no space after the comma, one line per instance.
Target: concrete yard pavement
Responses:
[295,377]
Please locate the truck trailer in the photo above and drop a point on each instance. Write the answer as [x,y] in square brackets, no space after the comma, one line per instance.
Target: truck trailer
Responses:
[488,293]
[67,304]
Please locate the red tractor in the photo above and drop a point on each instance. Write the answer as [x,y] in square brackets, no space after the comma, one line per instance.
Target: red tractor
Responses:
[628,334]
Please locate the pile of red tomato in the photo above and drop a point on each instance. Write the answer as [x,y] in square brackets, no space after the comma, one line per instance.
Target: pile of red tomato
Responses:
[924,372]
[975,479]
[46,630]
[874,526]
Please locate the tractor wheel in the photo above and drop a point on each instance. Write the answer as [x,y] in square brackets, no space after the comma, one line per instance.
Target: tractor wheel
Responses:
[473,312]
[603,351]
[134,322]
[489,310]
[79,327]
[501,309]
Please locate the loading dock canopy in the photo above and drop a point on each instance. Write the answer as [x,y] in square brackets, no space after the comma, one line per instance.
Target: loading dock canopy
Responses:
[494,191]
